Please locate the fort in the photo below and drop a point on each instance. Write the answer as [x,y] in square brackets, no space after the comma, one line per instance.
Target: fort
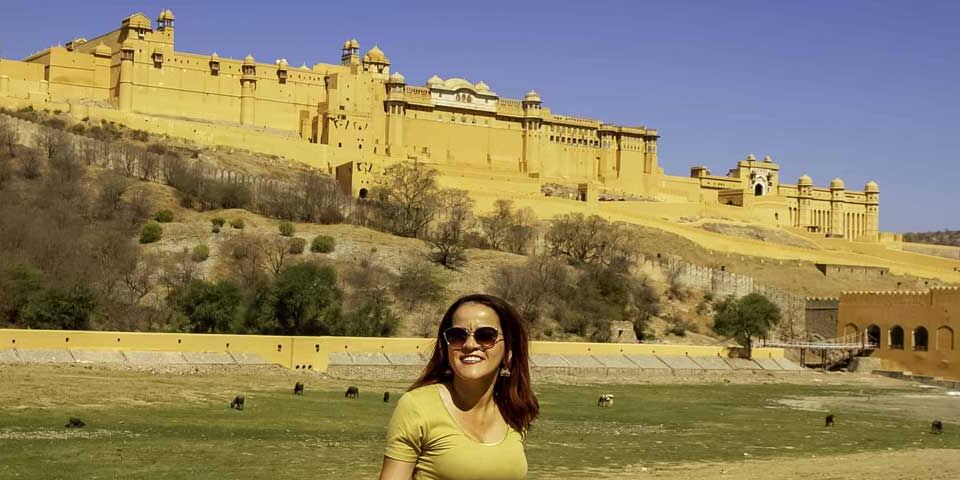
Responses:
[353,118]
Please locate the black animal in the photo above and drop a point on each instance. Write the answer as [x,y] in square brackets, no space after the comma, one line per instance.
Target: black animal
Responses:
[237,402]
[75,423]
[298,389]
[828,421]
[352,392]
[936,427]
[386,397]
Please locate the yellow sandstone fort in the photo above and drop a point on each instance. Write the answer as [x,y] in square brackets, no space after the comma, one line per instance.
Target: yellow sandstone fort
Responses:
[355,117]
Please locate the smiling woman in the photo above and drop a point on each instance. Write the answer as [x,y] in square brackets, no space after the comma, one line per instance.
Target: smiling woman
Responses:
[467,415]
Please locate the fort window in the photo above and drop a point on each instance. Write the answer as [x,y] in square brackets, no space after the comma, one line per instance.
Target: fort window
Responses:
[896,338]
[944,339]
[873,335]
[920,339]
[363,193]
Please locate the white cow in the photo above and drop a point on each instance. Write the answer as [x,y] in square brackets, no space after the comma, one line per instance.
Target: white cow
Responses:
[605,400]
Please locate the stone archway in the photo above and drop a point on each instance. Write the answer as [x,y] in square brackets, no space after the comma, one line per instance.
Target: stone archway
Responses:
[873,335]
[363,194]
[758,190]
[944,339]
[850,329]
[896,338]
[921,339]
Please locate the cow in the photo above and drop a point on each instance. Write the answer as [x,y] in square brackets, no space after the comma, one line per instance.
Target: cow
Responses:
[386,397]
[828,421]
[298,389]
[75,423]
[605,400]
[352,392]
[237,402]
[936,427]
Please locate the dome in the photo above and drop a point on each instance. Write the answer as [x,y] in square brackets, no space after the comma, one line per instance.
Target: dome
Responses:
[482,87]
[531,96]
[767,159]
[167,15]
[376,55]
[836,184]
[805,181]
[871,187]
[346,44]
[282,62]
[395,77]
[354,43]
[434,80]
[102,50]
[248,60]
[214,57]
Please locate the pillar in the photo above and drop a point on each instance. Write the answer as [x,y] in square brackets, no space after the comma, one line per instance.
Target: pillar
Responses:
[125,90]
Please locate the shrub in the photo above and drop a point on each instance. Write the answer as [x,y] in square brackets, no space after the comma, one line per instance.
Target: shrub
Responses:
[56,308]
[237,223]
[200,253]
[217,221]
[215,229]
[151,232]
[287,229]
[297,245]
[78,129]
[322,244]
[210,307]
[140,135]
[164,216]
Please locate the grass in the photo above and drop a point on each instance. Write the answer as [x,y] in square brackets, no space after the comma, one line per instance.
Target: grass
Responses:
[178,426]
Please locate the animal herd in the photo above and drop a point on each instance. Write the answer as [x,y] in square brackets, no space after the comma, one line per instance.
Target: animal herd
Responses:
[298,388]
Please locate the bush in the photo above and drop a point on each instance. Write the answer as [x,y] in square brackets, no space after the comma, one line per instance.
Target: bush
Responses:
[200,253]
[215,229]
[237,223]
[209,307]
[287,229]
[56,308]
[217,221]
[164,216]
[140,135]
[297,245]
[151,232]
[158,149]
[322,244]
[78,129]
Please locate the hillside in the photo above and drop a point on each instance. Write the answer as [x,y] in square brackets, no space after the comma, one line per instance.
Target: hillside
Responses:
[943,237]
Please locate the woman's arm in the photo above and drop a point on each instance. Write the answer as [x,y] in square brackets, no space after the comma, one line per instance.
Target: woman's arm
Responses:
[396,470]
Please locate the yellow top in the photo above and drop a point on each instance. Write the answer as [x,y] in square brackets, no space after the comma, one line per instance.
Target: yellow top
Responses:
[422,431]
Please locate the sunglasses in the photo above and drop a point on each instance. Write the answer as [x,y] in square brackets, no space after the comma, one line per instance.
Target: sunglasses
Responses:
[486,337]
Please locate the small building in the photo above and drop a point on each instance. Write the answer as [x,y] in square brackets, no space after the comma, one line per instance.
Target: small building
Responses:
[915,330]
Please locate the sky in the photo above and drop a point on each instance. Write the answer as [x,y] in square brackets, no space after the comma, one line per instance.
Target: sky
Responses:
[856,89]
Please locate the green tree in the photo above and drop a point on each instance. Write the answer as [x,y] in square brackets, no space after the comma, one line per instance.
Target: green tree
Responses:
[60,308]
[305,300]
[744,319]
[210,307]
[373,318]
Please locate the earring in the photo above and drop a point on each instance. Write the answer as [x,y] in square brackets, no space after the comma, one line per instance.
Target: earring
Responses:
[504,371]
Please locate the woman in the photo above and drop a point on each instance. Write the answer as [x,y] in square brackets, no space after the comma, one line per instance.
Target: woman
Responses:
[468,414]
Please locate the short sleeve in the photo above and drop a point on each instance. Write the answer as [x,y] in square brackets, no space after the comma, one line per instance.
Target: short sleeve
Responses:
[405,432]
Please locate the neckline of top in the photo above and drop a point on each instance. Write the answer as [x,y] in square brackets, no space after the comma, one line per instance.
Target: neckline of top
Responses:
[460,427]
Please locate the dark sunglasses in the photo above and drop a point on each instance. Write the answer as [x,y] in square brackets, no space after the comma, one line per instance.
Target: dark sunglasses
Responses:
[486,337]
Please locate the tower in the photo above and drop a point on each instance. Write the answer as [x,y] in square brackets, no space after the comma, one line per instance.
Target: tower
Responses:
[804,201]
[125,83]
[396,109]
[165,25]
[248,90]
[350,54]
[532,123]
[837,189]
[377,63]
[872,223]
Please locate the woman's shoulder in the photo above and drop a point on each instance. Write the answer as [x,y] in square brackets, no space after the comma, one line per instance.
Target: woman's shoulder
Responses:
[421,396]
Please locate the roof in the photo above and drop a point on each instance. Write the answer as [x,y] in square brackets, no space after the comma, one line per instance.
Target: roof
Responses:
[137,20]
[836,183]
[805,180]
[375,55]
[395,77]
[532,96]
[871,187]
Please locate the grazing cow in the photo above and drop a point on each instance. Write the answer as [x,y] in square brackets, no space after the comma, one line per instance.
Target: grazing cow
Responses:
[936,427]
[75,423]
[352,392]
[386,397]
[605,400]
[237,402]
[298,389]
[828,421]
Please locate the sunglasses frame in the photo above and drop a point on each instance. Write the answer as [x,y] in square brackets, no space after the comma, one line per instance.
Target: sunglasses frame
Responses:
[470,333]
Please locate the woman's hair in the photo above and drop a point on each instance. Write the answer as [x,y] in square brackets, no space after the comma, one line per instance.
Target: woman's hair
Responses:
[513,394]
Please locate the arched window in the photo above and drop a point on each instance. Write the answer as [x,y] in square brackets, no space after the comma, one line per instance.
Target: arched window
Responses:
[850,329]
[944,339]
[873,335]
[363,193]
[758,190]
[896,338]
[920,339]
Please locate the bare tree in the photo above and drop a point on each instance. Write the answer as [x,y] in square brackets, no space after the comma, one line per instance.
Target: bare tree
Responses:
[276,252]
[408,195]
[8,137]
[496,224]
[445,236]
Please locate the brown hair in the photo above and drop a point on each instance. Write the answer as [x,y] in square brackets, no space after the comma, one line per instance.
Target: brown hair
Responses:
[512,394]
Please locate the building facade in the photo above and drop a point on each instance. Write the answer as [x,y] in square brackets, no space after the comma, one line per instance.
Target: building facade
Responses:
[915,330]
[356,116]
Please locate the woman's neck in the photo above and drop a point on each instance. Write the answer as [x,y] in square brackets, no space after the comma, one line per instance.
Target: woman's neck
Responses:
[473,395]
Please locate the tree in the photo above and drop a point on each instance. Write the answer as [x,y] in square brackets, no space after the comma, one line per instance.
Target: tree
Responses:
[408,199]
[532,287]
[374,318]
[8,138]
[305,300]
[209,307]
[446,234]
[752,316]
[418,284]
[60,308]
[588,240]
[497,223]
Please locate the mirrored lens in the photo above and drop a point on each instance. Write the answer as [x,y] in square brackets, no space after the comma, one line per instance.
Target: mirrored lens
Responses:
[486,336]
[456,336]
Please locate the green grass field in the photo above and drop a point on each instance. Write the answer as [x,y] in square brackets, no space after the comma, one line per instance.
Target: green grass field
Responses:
[142,425]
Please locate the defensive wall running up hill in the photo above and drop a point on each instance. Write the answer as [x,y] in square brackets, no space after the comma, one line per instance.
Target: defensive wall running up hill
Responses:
[325,354]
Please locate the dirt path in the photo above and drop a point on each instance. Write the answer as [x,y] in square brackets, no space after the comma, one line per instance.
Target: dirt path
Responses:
[903,465]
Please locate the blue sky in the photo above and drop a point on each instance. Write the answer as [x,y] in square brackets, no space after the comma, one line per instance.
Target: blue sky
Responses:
[863,90]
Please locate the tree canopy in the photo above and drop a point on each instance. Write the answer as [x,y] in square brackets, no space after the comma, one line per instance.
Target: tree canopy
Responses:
[746,318]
